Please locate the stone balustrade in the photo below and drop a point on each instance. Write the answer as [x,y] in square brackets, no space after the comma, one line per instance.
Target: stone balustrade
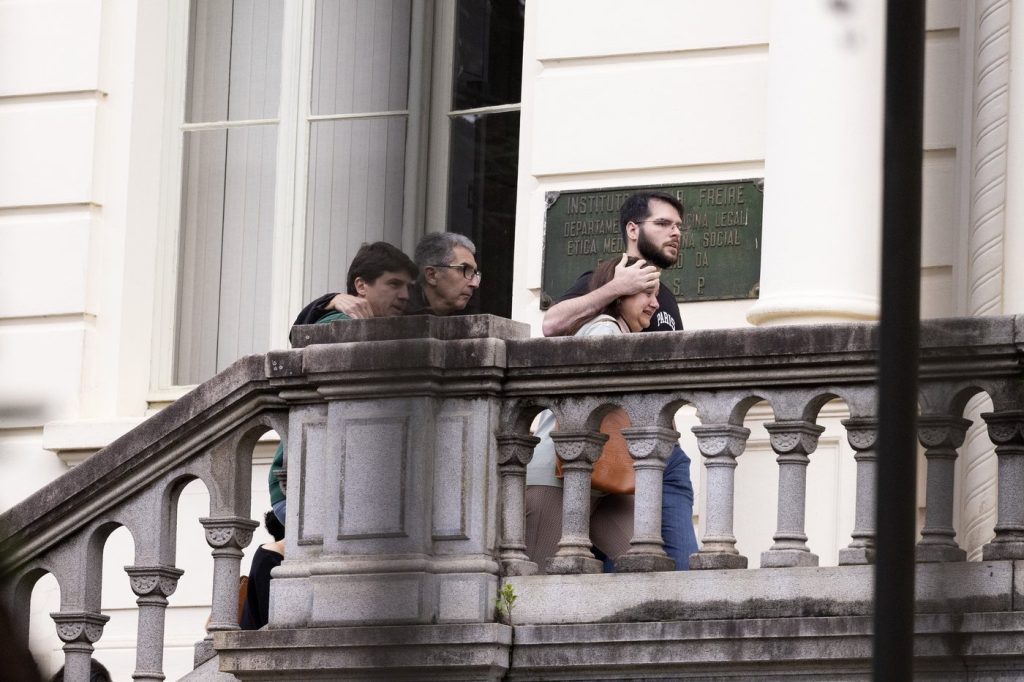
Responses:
[407,444]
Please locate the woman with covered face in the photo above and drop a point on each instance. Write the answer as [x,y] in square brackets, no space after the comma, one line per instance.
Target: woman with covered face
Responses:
[611,514]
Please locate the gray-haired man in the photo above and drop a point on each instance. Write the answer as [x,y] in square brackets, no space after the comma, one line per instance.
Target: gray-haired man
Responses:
[447,280]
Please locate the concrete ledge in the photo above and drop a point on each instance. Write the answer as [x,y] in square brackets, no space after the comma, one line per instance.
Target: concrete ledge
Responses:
[418,652]
[976,646]
[756,593]
[414,327]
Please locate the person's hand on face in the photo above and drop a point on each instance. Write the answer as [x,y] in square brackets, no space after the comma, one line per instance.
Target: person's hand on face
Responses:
[637,310]
[635,278]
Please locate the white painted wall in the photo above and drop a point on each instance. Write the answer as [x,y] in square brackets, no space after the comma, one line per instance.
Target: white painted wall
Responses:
[608,100]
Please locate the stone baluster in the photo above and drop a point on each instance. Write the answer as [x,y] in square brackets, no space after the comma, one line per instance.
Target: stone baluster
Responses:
[578,451]
[153,585]
[650,447]
[862,432]
[227,536]
[79,630]
[514,452]
[1006,429]
[720,444]
[792,441]
[940,435]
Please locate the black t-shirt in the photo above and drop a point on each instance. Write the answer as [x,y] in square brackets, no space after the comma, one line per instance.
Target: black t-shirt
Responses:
[667,319]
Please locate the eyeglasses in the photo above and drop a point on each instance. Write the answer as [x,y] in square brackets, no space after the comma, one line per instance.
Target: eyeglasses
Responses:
[663,223]
[468,271]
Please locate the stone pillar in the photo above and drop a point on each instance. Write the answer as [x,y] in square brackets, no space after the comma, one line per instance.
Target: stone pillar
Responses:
[650,447]
[940,435]
[1006,429]
[79,630]
[861,432]
[1013,244]
[825,70]
[987,281]
[793,441]
[227,536]
[514,452]
[153,585]
[720,444]
[578,451]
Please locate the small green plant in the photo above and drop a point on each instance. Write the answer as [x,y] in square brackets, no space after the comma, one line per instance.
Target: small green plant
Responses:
[505,601]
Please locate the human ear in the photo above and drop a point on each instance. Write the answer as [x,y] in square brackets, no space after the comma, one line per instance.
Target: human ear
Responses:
[360,285]
[632,229]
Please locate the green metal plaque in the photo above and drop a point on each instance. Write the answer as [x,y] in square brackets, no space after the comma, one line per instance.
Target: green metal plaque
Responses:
[719,250]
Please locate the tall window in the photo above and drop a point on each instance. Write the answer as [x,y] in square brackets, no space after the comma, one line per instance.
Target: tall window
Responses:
[305,134]
[228,170]
[358,117]
[484,157]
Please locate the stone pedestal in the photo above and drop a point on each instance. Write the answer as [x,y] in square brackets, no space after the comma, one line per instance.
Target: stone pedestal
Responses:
[578,452]
[793,441]
[720,444]
[861,433]
[393,475]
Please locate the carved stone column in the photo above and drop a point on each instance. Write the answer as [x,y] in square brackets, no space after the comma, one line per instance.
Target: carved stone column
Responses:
[227,536]
[940,435]
[578,451]
[720,444]
[153,585]
[1006,429]
[514,452]
[987,283]
[79,630]
[862,432]
[650,447]
[792,441]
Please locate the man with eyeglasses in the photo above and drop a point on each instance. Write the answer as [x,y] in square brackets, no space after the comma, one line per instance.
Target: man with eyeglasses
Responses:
[448,278]
[651,224]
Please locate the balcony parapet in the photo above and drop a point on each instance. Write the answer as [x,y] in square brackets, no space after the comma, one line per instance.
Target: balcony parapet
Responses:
[407,441]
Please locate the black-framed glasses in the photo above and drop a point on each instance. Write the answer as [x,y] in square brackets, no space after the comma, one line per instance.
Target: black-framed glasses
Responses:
[663,223]
[468,271]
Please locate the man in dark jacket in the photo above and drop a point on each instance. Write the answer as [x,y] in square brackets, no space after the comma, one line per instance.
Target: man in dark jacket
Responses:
[448,278]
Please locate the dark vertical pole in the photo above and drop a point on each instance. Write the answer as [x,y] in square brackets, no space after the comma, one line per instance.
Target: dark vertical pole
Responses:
[899,331]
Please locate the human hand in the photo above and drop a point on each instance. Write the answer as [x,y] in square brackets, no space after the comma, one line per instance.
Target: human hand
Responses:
[353,306]
[640,276]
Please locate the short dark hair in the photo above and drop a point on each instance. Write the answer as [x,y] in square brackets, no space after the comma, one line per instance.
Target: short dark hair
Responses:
[637,207]
[274,526]
[373,260]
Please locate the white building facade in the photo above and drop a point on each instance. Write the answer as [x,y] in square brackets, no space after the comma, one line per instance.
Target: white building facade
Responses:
[178,178]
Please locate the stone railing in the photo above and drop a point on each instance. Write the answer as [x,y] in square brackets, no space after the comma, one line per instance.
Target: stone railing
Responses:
[407,442]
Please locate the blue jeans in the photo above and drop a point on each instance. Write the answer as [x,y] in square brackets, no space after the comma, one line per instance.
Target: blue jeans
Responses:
[677,510]
[676,513]
[281,508]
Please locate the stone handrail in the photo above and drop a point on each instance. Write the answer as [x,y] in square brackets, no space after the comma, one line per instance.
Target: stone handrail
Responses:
[407,442]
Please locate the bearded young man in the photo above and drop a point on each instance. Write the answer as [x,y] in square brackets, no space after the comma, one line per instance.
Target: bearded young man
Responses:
[651,224]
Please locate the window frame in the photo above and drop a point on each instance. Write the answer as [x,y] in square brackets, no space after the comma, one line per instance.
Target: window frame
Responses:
[433,24]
